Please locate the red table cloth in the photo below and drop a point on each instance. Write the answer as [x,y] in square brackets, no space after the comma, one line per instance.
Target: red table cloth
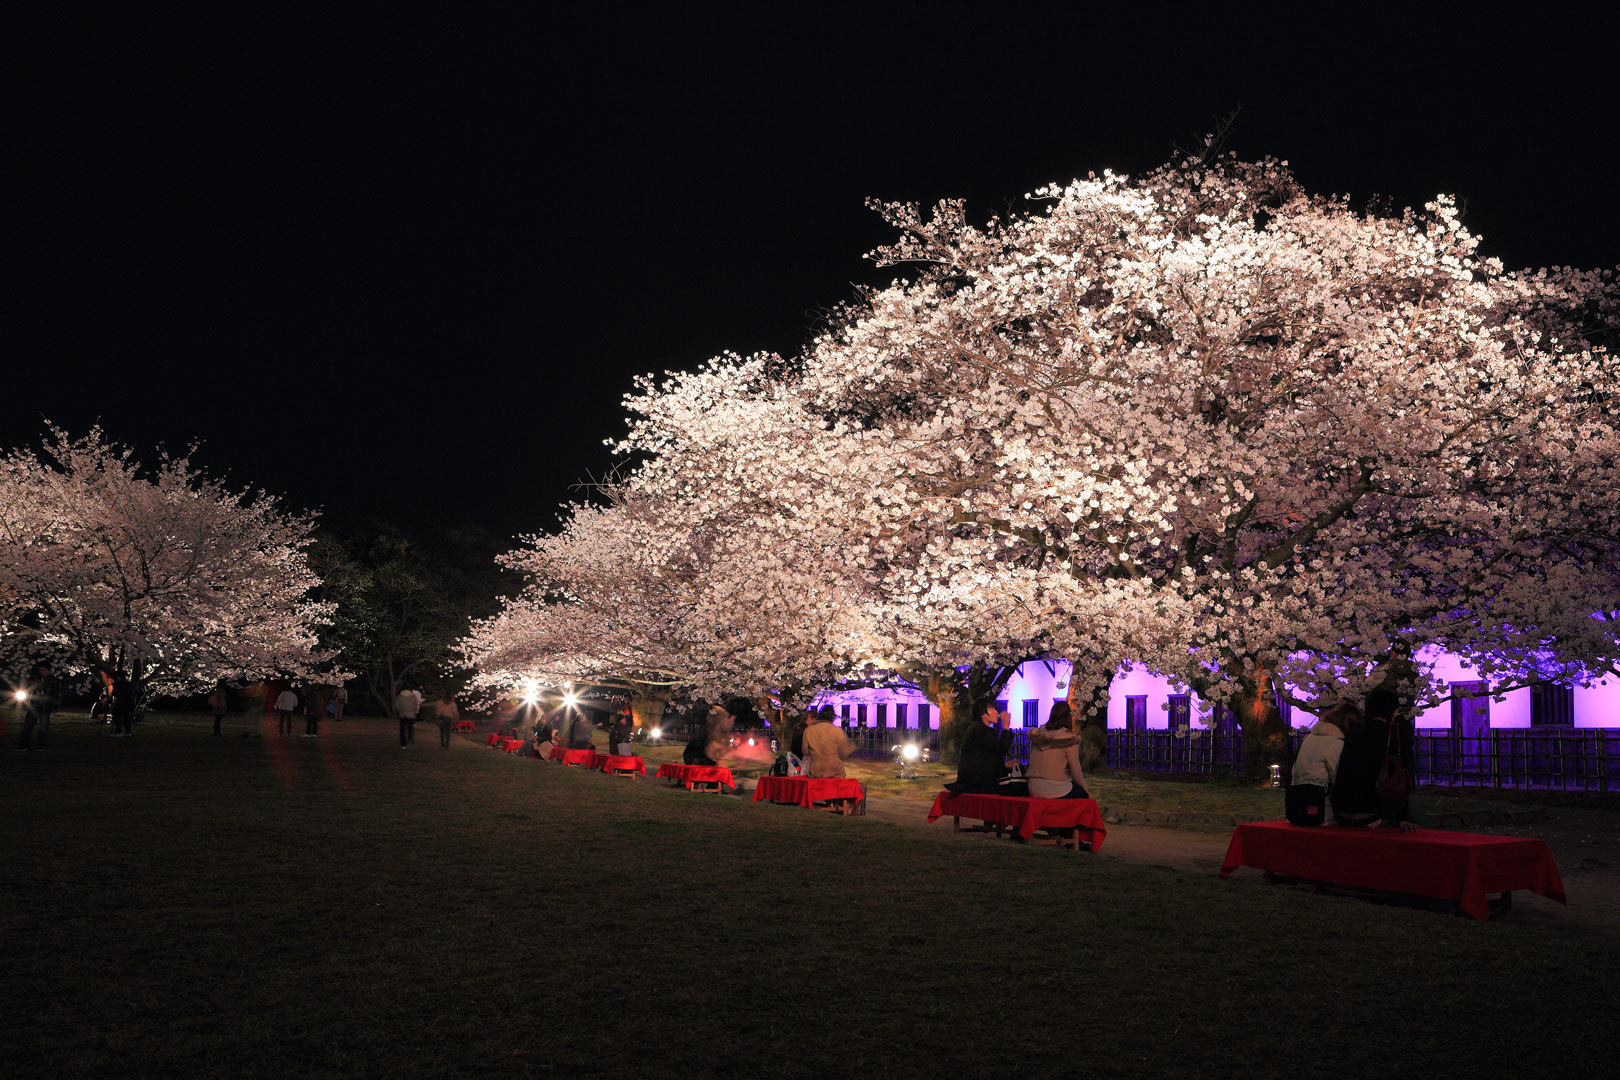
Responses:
[1025,815]
[510,745]
[807,790]
[573,757]
[463,725]
[1463,867]
[610,763]
[687,775]
[494,737]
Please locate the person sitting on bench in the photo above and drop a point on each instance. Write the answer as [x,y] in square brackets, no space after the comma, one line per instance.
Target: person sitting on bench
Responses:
[1355,796]
[1054,758]
[1320,751]
[825,745]
[983,763]
[710,739]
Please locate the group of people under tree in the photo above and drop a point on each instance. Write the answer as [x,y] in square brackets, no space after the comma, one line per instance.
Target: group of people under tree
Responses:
[1354,767]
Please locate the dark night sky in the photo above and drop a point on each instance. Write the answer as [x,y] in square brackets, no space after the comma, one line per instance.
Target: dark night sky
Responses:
[406,260]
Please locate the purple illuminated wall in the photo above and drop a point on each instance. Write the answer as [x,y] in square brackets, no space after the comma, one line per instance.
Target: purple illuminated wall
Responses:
[1047,681]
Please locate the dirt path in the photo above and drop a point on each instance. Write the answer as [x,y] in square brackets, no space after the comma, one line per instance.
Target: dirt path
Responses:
[1585,843]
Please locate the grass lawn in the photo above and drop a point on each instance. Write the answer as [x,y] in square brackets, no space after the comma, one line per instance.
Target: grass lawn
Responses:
[180,905]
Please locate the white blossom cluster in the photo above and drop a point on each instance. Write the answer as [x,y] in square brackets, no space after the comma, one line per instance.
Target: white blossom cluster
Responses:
[164,577]
[1200,421]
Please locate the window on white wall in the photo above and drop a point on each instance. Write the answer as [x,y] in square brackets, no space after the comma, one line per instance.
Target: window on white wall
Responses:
[925,718]
[883,714]
[1032,712]
[1552,705]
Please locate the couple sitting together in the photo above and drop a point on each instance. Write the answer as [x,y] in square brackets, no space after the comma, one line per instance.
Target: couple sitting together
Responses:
[1054,758]
[1354,770]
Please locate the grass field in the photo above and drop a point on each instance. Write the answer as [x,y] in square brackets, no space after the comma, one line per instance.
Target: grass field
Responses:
[180,905]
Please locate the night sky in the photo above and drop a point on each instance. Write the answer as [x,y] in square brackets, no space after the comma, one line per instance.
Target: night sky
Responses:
[406,260]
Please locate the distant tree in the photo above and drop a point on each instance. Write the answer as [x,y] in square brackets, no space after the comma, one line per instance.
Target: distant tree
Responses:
[401,602]
[161,579]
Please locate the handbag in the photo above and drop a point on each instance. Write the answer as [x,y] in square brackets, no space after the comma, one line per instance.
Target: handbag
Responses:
[1394,784]
[1304,804]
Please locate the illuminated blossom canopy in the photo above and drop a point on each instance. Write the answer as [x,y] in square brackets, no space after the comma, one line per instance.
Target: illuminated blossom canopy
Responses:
[162,579]
[1201,420]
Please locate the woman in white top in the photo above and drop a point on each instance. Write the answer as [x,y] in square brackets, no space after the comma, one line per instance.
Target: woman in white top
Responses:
[1054,758]
[1318,759]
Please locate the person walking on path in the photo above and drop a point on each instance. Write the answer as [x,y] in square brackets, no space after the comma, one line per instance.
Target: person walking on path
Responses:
[407,704]
[218,701]
[340,698]
[446,713]
[39,701]
[286,702]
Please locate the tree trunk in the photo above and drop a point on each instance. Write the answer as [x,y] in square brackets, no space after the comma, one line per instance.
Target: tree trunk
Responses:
[1266,739]
[647,707]
[940,690]
[1090,704]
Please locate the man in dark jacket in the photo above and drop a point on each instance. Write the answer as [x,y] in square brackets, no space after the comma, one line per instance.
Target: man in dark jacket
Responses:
[1355,795]
[42,694]
[984,754]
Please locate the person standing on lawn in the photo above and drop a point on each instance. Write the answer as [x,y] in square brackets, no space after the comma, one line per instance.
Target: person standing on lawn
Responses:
[314,702]
[218,701]
[43,693]
[985,747]
[446,713]
[123,707]
[407,704]
[286,704]
[340,698]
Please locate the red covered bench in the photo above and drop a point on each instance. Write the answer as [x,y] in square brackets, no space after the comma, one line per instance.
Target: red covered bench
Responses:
[806,791]
[697,777]
[1463,868]
[1025,816]
[583,758]
[621,765]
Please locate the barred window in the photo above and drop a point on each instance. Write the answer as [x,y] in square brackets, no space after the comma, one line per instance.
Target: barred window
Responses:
[1552,705]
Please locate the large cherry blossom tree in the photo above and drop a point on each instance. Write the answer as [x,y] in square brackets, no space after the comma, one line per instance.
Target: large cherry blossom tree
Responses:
[161,579]
[1252,438]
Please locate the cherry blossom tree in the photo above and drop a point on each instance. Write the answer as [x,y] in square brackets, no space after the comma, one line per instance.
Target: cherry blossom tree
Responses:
[1253,439]
[1269,433]
[160,579]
